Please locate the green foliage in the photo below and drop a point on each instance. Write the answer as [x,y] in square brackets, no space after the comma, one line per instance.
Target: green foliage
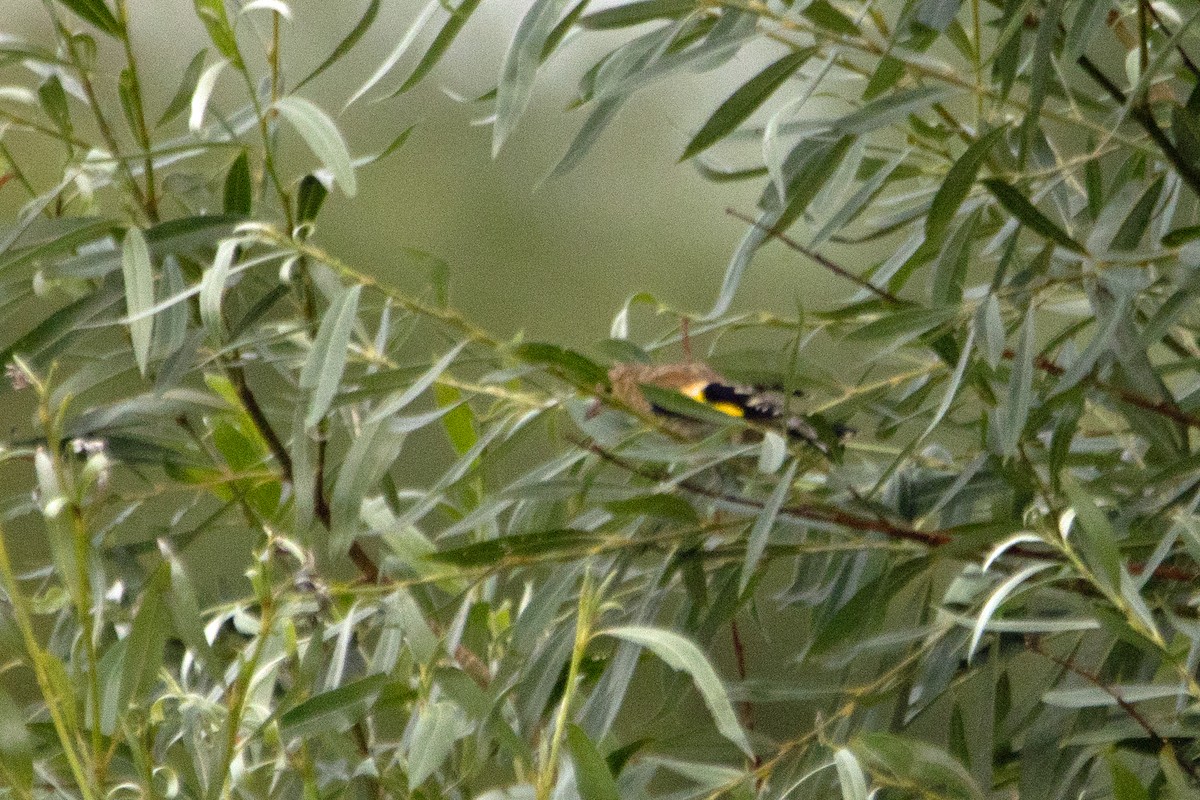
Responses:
[454,566]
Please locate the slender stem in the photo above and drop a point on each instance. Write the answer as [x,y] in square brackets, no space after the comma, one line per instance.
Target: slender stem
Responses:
[583,634]
[238,694]
[41,670]
[825,262]
[1143,37]
[141,130]
[1145,118]
[1187,60]
[745,707]
[89,90]
[1034,645]
[977,62]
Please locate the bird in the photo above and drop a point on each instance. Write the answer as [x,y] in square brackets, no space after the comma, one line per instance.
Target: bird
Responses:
[639,386]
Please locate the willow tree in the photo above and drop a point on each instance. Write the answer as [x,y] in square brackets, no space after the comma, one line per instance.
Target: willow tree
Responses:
[964,567]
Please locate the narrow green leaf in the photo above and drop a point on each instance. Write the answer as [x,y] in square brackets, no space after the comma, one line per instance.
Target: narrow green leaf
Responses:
[851,778]
[764,523]
[212,289]
[1020,389]
[520,67]
[957,185]
[1088,19]
[681,654]
[907,761]
[636,13]
[187,87]
[322,136]
[439,726]
[950,267]
[830,18]
[889,109]
[309,198]
[146,642]
[346,44]
[53,100]
[662,506]
[395,145]
[16,746]
[543,543]
[139,294]
[996,599]
[205,84]
[405,42]
[1093,696]
[458,420]
[903,325]
[370,456]
[96,12]
[887,74]
[185,607]
[564,27]
[441,43]
[592,777]
[1099,540]
[131,103]
[322,371]
[670,401]
[1129,235]
[1028,215]
[738,107]
[57,331]
[400,401]
[576,365]
[1125,783]
[216,22]
[1181,236]
[239,189]
[1097,346]
[1041,72]
[333,711]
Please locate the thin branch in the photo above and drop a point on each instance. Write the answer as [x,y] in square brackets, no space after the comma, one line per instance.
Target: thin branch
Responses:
[1187,61]
[1034,645]
[817,257]
[1143,116]
[812,512]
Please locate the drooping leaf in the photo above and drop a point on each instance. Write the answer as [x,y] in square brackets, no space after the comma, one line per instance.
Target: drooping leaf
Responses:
[146,641]
[441,43]
[335,710]
[738,107]
[592,775]
[1028,215]
[520,67]
[239,190]
[322,372]
[96,12]
[958,182]
[182,99]
[681,654]
[139,294]
[322,136]
[346,44]
[216,22]
[439,726]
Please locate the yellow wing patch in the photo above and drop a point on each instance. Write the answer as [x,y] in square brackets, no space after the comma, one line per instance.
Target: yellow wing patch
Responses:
[695,391]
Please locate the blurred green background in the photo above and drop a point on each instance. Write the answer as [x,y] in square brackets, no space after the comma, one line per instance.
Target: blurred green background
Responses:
[554,258]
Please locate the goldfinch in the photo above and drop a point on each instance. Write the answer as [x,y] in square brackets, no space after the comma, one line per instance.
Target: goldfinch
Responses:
[697,381]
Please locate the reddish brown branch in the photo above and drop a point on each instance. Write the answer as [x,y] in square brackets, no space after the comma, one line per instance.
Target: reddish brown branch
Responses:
[825,262]
[1034,645]
[812,512]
